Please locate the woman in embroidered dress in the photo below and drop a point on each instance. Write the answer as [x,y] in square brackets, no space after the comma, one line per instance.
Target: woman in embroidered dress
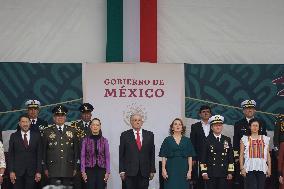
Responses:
[95,158]
[255,161]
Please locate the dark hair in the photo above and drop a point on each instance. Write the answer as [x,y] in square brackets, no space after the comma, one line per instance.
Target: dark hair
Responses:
[23,115]
[204,107]
[97,119]
[259,125]
[94,119]
[172,124]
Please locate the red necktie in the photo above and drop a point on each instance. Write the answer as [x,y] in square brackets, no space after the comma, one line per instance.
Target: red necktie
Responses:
[138,141]
[26,143]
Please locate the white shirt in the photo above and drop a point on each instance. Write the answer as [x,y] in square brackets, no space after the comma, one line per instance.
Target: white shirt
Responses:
[35,120]
[28,135]
[206,128]
[217,136]
[140,135]
[248,119]
[84,123]
[62,127]
[2,156]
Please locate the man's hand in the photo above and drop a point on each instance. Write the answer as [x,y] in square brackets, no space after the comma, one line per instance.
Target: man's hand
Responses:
[205,176]
[74,173]
[13,177]
[229,177]
[1,179]
[46,173]
[37,177]
[281,180]
[122,176]
[151,176]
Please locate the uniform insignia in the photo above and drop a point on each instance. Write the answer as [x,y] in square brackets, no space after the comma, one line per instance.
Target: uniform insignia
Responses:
[226,144]
[52,135]
[69,134]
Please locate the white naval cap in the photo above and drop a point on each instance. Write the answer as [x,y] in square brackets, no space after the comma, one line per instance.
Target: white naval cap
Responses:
[248,104]
[32,104]
[216,119]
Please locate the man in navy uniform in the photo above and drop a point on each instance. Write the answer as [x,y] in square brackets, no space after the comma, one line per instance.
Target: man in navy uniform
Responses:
[217,158]
[241,128]
[199,132]
[82,129]
[37,124]
[60,149]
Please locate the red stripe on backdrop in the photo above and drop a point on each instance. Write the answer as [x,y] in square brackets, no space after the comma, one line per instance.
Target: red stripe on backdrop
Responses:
[148,31]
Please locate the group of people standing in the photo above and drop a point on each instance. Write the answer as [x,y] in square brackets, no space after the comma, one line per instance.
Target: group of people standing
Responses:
[78,154]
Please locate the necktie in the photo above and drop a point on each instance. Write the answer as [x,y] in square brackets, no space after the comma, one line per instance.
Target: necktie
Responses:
[60,129]
[33,122]
[218,138]
[138,141]
[86,125]
[26,143]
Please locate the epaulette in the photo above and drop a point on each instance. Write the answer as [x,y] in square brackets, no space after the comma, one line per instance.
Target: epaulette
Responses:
[49,126]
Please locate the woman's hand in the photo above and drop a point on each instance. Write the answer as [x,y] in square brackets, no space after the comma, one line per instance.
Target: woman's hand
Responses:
[188,175]
[165,174]
[106,177]
[243,172]
[84,176]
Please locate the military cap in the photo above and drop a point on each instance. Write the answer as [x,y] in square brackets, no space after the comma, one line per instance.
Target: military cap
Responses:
[248,104]
[60,109]
[86,107]
[216,119]
[32,104]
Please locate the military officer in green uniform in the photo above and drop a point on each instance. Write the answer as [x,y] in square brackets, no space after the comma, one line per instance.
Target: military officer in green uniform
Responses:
[60,149]
[278,131]
[82,129]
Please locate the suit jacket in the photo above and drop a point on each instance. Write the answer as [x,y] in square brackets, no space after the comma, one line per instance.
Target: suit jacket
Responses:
[60,151]
[241,128]
[38,127]
[22,159]
[217,158]
[131,159]
[197,137]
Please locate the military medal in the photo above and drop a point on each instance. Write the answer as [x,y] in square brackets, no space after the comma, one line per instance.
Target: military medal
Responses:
[69,134]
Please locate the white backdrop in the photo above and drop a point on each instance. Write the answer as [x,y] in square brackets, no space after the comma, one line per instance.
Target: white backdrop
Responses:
[159,110]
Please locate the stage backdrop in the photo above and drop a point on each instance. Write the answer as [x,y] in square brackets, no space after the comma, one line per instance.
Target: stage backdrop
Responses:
[225,86]
[118,90]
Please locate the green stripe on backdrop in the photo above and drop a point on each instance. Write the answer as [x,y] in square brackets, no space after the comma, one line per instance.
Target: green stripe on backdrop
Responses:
[114,51]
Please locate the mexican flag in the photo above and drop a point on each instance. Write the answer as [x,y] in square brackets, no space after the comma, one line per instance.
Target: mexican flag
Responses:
[131,31]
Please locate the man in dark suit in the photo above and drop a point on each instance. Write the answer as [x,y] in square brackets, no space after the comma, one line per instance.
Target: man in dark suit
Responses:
[241,128]
[25,156]
[60,149]
[37,124]
[82,129]
[199,132]
[136,155]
